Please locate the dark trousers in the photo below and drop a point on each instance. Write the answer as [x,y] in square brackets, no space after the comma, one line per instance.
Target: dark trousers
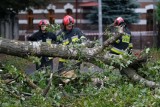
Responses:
[61,67]
[45,62]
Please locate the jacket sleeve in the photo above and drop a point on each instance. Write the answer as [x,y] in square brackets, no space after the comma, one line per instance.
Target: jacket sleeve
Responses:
[53,37]
[81,35]
[32,37]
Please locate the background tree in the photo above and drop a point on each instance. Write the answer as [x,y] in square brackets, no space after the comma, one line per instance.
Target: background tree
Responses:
[12,7]
[9,10]
[114,8]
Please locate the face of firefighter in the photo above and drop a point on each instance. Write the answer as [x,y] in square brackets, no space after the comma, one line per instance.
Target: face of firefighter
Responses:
[120,29]
[43,27]
[69,26]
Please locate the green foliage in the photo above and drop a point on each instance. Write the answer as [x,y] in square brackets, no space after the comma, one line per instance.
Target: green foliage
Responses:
[34,59]
[121,95]
[116,91]
[9,7]
[158,11]
[53,28]
[151,69]
[122,60]
[112,9]
[19,63]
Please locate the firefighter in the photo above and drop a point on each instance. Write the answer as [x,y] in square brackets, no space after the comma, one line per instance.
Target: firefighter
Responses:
[69,35]
[43,36]
[124,42]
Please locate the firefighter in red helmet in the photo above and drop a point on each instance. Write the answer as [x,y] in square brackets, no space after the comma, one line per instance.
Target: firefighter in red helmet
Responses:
[68,22]
[42,35]
[124,42]
[69,35]
[118,21]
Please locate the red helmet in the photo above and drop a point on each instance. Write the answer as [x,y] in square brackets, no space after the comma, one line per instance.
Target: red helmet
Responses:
[68,20]
[118,21]
[43,22]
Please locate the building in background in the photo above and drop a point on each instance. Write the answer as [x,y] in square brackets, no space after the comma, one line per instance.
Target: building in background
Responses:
[29,19]
[143,32]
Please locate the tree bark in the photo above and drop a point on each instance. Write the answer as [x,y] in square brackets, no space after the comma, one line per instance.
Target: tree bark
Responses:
[131,73]
[25,48]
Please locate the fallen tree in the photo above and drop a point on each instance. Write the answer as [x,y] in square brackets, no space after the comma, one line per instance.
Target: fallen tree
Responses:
[128,65]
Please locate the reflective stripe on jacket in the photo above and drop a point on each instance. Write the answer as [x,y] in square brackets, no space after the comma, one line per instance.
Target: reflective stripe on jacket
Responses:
[67,37]
[117,51]
[123,43]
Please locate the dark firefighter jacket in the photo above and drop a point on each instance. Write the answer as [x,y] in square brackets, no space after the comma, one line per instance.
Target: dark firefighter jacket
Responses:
[123,43]
[67,37]
[43,37]
[48,37]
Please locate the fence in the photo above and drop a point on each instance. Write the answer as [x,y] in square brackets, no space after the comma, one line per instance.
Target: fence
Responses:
[140,39]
